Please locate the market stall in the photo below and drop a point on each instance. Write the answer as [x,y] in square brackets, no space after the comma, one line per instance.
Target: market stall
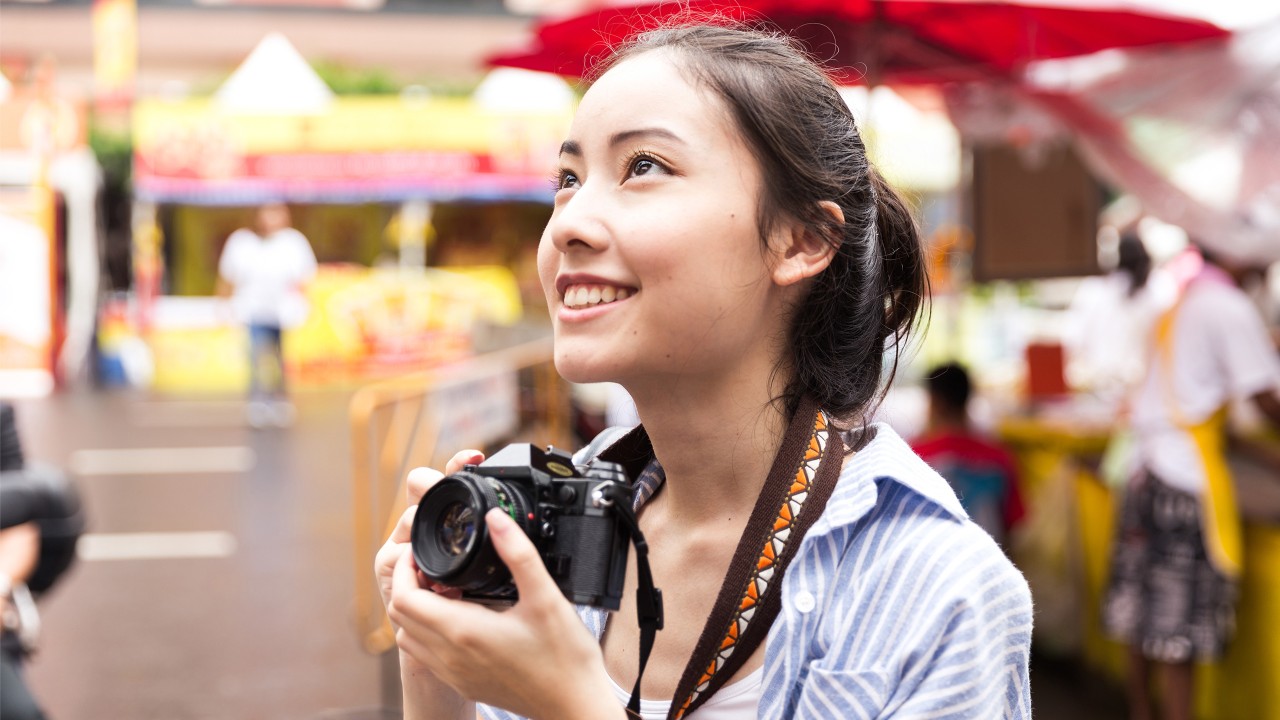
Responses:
[384,188]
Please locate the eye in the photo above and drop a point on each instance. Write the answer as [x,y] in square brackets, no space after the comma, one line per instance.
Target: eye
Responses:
[565,179]
[641,164]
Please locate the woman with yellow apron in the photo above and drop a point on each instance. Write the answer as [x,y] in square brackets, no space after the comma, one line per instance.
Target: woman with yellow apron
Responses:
[1178,549]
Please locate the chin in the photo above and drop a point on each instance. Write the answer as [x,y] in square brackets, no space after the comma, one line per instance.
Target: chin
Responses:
[578,367]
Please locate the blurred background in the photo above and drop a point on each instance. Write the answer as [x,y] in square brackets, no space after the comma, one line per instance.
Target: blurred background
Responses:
[221,556]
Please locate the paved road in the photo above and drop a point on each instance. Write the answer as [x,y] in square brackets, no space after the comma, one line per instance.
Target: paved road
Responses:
[241,607]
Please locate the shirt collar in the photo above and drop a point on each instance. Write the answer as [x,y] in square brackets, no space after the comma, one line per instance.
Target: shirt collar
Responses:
[887,457]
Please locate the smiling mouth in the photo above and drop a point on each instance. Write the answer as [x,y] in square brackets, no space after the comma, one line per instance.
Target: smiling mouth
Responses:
[584,296]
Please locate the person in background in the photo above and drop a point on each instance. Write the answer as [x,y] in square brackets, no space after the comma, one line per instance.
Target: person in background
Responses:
[19,553]
[1109,322]
[41,520]
[1177,553]
[265,268]
[981,471]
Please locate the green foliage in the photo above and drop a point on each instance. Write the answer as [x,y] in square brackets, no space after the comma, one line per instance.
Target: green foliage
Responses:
[344,80]
[114,150]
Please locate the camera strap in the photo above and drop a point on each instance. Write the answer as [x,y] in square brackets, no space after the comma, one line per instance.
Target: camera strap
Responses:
[803,475]
[648,597]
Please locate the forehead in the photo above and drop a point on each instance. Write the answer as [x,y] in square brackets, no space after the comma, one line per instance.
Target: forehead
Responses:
[651,88]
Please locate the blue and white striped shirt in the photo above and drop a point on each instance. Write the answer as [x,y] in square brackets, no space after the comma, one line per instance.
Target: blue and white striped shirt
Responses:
[896,605]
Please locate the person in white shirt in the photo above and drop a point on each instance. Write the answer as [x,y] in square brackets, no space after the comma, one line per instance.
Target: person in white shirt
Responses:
[265,269]
[1110,319]
[1178,549]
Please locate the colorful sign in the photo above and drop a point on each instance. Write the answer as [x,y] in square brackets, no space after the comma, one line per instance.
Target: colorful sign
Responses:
[363,324]
[383,148]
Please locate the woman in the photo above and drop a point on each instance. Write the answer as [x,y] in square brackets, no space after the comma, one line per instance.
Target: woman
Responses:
[721,248]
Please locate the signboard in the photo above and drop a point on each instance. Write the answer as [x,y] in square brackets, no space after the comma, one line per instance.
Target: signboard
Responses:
[363,148]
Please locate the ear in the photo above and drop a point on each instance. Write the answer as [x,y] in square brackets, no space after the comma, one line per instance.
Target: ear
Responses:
[801,252]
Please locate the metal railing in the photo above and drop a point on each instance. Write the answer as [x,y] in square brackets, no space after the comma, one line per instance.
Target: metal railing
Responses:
[408,422]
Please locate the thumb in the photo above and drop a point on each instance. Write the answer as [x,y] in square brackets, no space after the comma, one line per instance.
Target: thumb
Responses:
[521,558]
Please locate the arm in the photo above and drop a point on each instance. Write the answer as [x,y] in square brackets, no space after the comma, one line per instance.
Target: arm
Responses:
[1268,403]
[19,552]
[1261,452]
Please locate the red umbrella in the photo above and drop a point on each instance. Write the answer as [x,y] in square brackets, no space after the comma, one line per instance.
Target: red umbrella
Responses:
[880,41]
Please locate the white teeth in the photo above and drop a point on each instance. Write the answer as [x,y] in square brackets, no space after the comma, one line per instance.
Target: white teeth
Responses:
[580,296]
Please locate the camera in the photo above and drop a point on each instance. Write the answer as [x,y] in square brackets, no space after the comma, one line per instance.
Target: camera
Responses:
[570,515]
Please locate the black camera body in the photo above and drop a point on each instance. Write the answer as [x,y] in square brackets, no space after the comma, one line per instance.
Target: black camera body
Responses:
[568,514]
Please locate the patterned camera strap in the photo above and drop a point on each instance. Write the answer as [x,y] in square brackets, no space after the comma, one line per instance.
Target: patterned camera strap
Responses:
[804,473]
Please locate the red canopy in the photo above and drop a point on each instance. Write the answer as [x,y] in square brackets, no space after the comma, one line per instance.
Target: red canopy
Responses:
[879,41]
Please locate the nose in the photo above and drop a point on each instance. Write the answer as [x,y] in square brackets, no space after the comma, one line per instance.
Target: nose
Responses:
[578,221]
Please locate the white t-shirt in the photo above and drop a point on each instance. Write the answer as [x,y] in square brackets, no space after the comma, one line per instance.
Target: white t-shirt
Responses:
[267,275]
[1108,330]
[1221,352]
[736,701]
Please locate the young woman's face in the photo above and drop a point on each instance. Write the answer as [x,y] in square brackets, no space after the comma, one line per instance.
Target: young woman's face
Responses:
[652,261]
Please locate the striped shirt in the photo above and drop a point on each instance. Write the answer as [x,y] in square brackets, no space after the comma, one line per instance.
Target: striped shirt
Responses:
[895,605]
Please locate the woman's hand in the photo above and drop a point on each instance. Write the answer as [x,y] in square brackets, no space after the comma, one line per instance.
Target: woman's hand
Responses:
[536,659]
[417,484]
[424,694]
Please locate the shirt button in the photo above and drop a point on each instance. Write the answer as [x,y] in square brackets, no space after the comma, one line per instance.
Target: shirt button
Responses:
[804,601]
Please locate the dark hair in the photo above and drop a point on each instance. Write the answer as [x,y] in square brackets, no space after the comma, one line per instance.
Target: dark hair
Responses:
[804,136]
[949,385]
[1134,261]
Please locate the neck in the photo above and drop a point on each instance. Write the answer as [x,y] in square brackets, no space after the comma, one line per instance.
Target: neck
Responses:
[944,423]
[716,443]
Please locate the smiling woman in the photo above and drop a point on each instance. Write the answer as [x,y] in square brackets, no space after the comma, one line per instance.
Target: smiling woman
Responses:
[722,248]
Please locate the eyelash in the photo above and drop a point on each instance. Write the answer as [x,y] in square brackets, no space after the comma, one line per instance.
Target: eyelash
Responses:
[557,179]
[628,165]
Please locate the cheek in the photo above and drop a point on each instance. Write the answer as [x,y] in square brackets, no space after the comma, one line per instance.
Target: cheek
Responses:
[548,265]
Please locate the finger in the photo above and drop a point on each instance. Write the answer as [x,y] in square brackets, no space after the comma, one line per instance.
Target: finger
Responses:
[433,619]
[463,457]
[403,530]
[522,559]
[419,482]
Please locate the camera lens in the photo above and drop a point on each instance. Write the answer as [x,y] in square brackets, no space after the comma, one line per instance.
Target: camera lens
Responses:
[450,541]
[457,528]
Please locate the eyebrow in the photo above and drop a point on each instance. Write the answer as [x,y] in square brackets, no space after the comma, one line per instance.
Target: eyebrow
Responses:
[571,147]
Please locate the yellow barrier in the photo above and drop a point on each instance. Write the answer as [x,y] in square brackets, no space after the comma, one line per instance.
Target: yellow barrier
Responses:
[421,420]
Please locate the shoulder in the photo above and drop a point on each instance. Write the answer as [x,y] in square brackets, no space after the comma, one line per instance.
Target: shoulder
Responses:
[295,236]
[1217,304]
[901,603]
[904,554]
[237,239]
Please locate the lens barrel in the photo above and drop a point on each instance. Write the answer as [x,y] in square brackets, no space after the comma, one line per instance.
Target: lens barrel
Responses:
[450,540]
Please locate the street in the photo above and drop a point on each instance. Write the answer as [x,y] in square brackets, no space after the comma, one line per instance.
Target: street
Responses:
[211,584]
